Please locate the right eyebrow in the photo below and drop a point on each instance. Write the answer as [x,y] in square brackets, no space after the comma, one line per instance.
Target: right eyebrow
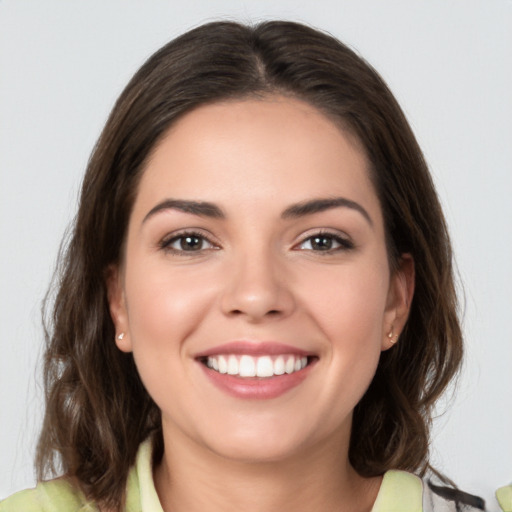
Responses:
[200,208]
[321,205]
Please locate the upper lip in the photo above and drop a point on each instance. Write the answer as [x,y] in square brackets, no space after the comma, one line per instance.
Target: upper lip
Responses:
[253,348]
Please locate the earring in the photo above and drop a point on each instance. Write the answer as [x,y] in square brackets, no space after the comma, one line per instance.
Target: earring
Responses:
[393,338]
[121,336]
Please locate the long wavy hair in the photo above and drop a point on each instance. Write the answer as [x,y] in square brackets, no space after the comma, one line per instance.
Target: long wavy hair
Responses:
[97,410]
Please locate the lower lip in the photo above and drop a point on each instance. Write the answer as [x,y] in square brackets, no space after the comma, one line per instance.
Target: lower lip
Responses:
[254,387]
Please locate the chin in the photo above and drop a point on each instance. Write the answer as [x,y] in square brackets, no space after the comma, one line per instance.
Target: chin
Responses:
[258,451]
[262,441]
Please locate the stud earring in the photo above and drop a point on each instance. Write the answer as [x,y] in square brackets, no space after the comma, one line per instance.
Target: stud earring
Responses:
[121,336]
[393,338]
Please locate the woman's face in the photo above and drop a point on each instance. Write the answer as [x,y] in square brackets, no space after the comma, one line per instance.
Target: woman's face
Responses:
[255,292]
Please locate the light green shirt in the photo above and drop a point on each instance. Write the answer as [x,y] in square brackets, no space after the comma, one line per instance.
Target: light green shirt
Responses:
[400,492]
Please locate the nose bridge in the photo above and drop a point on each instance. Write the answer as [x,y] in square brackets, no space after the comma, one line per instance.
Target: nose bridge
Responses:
[257,285]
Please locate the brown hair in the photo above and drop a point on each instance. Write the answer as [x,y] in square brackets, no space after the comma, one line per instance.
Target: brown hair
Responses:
[97,410]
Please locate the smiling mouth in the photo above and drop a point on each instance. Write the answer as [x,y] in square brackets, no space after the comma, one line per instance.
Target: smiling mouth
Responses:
[265,366]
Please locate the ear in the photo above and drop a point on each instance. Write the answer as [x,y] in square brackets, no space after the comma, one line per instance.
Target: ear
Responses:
[117,306]
[400,294]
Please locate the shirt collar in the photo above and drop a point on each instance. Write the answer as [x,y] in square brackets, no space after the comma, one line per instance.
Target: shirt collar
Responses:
[142,482]
[400,491]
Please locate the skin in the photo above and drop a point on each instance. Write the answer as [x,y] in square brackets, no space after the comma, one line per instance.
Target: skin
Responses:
[260,277]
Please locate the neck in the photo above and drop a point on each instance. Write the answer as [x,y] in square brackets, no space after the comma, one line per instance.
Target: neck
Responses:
[191,478]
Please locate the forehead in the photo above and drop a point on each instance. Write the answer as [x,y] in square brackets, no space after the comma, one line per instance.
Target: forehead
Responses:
[272,150]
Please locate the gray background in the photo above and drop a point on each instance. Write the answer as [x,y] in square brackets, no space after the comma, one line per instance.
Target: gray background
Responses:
[62,65]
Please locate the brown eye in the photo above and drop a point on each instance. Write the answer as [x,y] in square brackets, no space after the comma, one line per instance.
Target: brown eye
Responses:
[190,243]
[324,242]
[187,242]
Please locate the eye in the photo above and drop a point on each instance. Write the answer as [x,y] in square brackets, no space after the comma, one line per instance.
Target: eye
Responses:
[325,242]
[187,243]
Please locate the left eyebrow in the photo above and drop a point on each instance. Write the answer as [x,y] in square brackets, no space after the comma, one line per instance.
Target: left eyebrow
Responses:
[320,205]
[200,208]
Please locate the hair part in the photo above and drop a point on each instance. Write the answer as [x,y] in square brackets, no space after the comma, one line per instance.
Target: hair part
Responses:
[97,410]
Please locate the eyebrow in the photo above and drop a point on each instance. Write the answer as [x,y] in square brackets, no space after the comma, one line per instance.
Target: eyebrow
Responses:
[200,208]
[321,205]
[211,210]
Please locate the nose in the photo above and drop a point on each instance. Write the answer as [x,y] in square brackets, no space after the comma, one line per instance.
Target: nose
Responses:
[257,288]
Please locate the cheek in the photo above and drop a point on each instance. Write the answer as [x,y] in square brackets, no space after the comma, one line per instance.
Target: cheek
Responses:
[164,309]
[349,303]
[164,305]
[349,308]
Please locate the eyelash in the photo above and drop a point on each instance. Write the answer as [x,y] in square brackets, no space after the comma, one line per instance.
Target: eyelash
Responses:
[166,244]
[344,243]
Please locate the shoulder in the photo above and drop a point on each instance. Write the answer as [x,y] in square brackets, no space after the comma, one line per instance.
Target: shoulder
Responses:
[400,491]
[60,495]
[50,496]
[504,497]
[405,492]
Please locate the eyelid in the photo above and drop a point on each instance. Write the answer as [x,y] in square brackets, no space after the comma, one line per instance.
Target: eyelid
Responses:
[165,243]
[343,239]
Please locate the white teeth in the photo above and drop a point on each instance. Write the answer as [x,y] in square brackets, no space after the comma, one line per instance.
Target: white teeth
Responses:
[289,366]
[247,367]
[279,366]
[212,362]
[232,365]
[262,366]
[223,364]
[265,367]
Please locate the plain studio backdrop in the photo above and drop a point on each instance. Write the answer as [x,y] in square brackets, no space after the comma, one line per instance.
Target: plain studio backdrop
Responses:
[449,63]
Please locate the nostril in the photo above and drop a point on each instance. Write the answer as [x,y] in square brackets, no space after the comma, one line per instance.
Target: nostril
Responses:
[272,312]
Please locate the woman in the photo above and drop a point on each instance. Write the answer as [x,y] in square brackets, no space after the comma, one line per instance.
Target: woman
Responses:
[256,309]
